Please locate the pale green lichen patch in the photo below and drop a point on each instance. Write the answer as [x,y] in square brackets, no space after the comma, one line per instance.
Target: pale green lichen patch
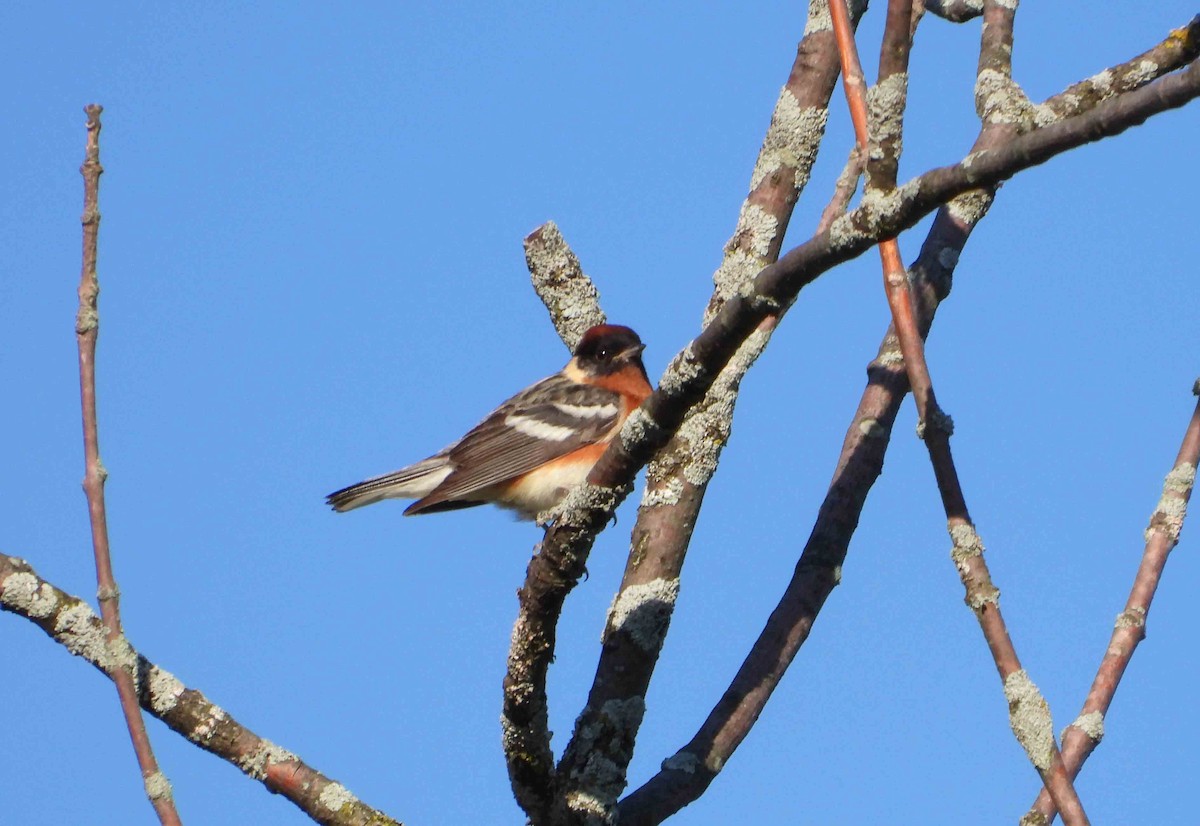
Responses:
[579,501]
[967,544]
[157,786]
[258,762]
[706,430]
[872,428]
[998,99]
[758,227]
[593,809]
[738,267]
[1141,73]
[80,630]
[891,357]
[610,731]
[684,370]
[1172,507]
[165,690]
[844,232]
[1029,716]
[970,207]
[1091,724]
[558,279]
[791,141]
[885,112]
[1044,114]
[981,596]
[334,796]
[25,594]
[1132,618]
[935,420]
[207,727]
[643,612]
[1101,82]
[665,494]
[638,428]
[122,656]
[819,19]
[1181,479]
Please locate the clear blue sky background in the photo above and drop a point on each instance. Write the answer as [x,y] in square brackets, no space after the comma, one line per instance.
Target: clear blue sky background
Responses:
[312,272]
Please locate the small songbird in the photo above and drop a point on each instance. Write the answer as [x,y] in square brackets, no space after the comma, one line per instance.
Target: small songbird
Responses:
[533,448]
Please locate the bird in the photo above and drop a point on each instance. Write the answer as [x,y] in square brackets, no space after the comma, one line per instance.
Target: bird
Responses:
[532,449]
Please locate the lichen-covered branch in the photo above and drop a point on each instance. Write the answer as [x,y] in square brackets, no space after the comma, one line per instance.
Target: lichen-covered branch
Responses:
[559,280]
[998,99]
[884,103]
[1179,48]
[685,775]
[574,305]
[592,772]
[70,622]
[1028,712]
[1082,736]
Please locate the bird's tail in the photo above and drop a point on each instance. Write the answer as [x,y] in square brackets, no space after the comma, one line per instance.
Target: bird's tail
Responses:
[412,482]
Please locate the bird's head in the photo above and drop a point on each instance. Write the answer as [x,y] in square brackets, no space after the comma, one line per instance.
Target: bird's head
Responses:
[608,348]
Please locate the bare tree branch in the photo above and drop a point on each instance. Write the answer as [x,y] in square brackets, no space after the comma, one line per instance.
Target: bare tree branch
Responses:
[70,622]
[693,767]
[693,370]
[594,764]
[1082,736]
[1029,713]
[559,280]
[87,327]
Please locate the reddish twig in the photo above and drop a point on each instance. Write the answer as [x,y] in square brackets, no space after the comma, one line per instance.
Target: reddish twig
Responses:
[685,775]
[69,621]
[1162,535]
[1028,711]
[87,321]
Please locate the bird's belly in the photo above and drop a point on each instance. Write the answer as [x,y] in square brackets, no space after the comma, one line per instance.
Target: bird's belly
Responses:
[543,488]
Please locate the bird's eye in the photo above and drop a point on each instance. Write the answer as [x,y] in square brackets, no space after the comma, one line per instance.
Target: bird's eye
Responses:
[602,354]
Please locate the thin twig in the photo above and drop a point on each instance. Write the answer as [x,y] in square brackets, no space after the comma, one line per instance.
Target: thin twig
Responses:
[843,190]
[87,323]
[1162,535]
[69,621]
[693,767]
[1028,712]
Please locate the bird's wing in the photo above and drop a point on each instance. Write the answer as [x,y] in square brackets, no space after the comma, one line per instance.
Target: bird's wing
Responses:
[547,420]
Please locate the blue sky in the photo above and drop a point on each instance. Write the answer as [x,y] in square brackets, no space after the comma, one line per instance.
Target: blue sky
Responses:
[312,272]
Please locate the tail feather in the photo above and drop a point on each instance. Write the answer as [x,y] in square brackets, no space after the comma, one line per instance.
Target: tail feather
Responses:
[412,482]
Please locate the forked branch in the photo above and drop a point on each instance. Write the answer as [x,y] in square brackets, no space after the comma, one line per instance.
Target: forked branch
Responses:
[1162,535]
